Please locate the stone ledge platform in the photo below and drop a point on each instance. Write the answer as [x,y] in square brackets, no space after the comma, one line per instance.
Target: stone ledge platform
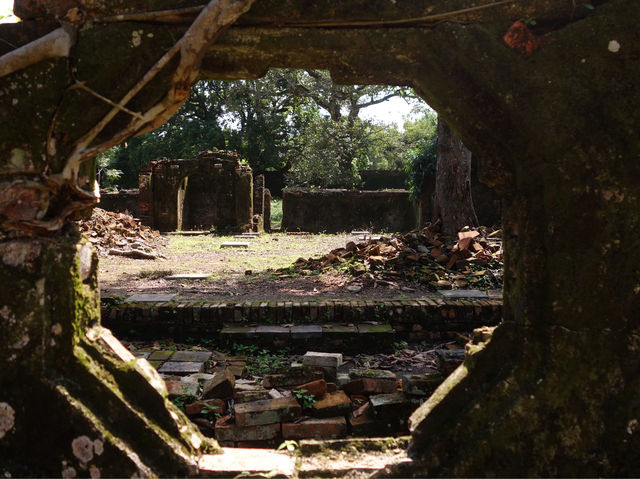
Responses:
[278,322]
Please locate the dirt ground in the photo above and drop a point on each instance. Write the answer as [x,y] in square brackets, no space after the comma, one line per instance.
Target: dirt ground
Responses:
[254,273]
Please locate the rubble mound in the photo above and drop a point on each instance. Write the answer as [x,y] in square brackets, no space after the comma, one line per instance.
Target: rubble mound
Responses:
[423,257]
[122,235]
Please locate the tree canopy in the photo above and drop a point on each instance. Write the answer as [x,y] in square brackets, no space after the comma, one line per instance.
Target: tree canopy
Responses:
[293,121]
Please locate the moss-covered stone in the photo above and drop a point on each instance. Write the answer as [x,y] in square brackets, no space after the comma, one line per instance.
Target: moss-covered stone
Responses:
[59,359]
[555,390]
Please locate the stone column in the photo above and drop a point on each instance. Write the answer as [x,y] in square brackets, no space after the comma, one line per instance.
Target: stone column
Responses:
[267,210]
[258,203]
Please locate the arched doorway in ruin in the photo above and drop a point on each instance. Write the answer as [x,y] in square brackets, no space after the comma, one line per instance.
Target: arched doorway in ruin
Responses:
[553,110]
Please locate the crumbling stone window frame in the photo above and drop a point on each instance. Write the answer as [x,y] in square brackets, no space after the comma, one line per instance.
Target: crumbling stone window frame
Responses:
[553,112]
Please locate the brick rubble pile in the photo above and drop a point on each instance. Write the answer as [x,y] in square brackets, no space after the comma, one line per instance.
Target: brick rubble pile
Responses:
[122,235]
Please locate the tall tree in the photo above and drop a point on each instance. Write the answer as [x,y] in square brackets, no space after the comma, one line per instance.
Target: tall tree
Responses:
[349,143]
[453,204]
[275,122]
[343,101]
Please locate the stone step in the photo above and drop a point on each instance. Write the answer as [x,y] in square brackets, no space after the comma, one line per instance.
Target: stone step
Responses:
[355,457]
[247,463]
[331,322]
[359,338]
[234,244]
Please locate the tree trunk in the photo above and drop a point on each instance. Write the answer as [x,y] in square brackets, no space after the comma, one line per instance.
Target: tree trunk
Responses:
[453,204]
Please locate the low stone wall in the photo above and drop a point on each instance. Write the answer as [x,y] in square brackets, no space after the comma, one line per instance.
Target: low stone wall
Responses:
[124,200]
[269,323]
[332,211]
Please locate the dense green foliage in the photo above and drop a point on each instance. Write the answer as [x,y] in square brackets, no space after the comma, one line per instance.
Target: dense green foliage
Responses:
[296,122]
[421,138]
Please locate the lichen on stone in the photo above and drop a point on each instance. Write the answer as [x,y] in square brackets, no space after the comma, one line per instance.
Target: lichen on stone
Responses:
[94,472]
[22,342]
[98,447]
[82,448]
[69,473]
[7,418]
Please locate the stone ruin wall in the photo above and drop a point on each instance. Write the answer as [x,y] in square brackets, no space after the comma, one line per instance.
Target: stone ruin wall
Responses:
[211,191]
[121,202]
[332,211]
[218,193]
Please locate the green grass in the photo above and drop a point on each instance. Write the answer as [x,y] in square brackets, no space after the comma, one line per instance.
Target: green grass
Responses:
[276,212]
[202,254]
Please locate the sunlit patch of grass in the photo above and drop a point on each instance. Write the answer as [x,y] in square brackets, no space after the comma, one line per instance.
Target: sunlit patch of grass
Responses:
[203,254]
[276,212]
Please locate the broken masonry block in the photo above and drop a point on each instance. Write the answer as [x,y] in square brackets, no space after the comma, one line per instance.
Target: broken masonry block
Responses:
[267,411]
[421,384]
[192,356]
[251,396]
[391,406]
[227,430]
[318,388]
[205,426]
[450,359]
[234,244]
[371,374]
[160,355]
[367,386]
[220,386]
[291,376]
[197,377]
[368,425]
[328,428]
[332,405]
[318,359]
[181,388]
[181,368]
[328,362]
[205,407]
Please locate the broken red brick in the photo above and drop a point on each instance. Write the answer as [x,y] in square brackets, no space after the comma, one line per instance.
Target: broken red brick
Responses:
[318,388]
[292,377]
[361,410]
[181,388]
[268,411]
[227,430]
[205,426]
[328,428]
[367,425]
[358,400]
[391,406]
[213,405]
[220,386]
[365,386]
[333,404]
[520,38]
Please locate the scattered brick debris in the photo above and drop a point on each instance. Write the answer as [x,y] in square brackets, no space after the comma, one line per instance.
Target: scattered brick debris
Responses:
[122,235]
[424,257]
